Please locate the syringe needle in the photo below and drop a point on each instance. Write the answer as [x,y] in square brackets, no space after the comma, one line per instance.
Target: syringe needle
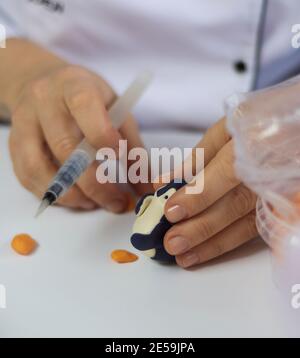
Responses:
[43,206]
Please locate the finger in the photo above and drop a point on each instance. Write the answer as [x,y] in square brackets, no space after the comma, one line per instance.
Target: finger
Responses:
[75,199]
[59,129]
[35,170]
[107,195]
[213,140]
[63,135]
[84,101]
[219,179]
[227,240]
[188,234]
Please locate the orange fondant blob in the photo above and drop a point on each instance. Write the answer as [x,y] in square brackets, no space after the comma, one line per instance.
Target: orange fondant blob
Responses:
[23,244]
[123,256]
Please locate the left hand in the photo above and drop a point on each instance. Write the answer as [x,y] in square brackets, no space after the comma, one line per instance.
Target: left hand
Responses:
[220,218]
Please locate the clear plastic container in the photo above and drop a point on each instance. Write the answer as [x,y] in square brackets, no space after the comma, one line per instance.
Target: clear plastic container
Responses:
[284,241]
[265,127]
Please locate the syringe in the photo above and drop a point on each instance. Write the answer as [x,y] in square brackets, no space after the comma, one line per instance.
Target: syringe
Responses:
[85,154]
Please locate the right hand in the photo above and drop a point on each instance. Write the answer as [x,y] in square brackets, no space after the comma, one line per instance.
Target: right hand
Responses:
[51,116]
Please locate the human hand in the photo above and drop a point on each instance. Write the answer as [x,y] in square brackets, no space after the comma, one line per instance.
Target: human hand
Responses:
[52,114]
[220,218]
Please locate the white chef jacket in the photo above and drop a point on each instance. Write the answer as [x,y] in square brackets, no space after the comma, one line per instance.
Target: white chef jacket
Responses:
[200,51]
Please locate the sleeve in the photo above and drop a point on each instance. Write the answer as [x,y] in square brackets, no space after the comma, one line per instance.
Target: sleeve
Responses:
[8,25]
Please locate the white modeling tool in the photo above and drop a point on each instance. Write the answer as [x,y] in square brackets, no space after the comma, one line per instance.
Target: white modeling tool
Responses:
[85,154]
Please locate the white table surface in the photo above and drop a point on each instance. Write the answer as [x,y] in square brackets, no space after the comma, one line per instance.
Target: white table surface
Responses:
[71,288]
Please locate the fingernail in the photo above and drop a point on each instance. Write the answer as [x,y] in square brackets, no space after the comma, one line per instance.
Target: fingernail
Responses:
[177,245]
[190,259]
[88,205]
[116,206]
[176,213]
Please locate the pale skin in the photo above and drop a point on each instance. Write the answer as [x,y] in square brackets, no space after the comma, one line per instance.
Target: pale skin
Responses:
[53,105]
[219,219]
[222,217]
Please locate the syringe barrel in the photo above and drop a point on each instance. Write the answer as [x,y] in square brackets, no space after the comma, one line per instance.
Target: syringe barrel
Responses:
[71,170]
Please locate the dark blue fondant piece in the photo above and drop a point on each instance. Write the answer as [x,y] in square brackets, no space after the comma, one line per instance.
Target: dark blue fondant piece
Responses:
[154,240]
